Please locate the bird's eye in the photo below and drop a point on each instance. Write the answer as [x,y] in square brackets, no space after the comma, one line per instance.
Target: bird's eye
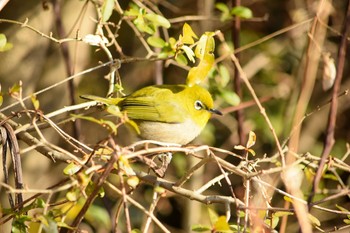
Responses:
[198,105]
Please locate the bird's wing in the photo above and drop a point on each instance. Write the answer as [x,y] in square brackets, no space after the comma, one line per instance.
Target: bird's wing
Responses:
[152,108]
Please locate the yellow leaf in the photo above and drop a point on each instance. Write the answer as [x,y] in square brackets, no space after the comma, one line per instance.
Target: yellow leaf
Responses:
[197,74]
[133,181]
[205,46]
[187,35]
[251,139]
[315,221]
[35,102]
[221,225]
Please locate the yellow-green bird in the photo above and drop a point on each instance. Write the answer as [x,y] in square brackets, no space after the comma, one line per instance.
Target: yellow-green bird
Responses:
[168,113]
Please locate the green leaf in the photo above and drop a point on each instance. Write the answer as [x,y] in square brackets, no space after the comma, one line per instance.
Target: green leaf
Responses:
[15,88]
[71,169]
[272,222]
[72,196]
[107,9]
[3,40]
[158,20]
[282,213]
[200,228]
[242,12]
[225,11]
[98,217]
[40,203]
[4,45]
[224,75]
[230,97]
[222,7]
[315,221]
[144,26]
[133,10]
[156,41]
[181,59]
[330,177]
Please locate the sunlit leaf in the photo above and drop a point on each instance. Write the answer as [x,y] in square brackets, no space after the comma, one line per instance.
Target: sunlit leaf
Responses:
[15,89]
[242,12]
[124,165]
[221,225]
[272,223]
[187,35]
[159,190]
[205,46]
[143,26]
[133,181]
[286,198]
[315,221]
[282,213]
[189,53]
[72,196]
[71,169]
[3,40]
[107,9]
[133,10]
[251,151]
[35,102]
[198,74]
[4,45]
[204,51]
[251,139]
[134,125]
[1,99]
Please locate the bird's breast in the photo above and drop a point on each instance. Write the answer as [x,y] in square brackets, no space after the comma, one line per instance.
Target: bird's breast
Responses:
[180,133]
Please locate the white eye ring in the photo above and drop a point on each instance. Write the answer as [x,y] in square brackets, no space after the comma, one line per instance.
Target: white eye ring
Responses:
[198,105]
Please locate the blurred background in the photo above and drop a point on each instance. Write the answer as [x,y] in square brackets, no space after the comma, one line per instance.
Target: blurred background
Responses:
[274,66]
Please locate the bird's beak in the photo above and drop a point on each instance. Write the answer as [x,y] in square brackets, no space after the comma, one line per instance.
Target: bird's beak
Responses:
[215,111]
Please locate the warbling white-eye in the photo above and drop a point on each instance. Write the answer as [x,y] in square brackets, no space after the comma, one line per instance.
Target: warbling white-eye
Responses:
[168,113]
